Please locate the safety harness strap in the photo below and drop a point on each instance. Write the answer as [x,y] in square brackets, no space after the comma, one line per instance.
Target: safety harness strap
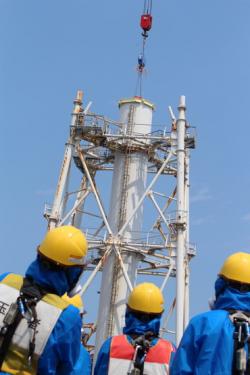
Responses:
[241,358]
[30,295]
[142,346]
[7,332]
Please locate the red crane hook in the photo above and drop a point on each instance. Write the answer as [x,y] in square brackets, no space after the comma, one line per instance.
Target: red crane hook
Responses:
[146,18]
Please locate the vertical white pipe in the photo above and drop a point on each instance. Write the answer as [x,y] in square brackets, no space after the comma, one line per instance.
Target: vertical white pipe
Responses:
[187,186]
[180,219]
[76,217]
[58,204]
[62,182]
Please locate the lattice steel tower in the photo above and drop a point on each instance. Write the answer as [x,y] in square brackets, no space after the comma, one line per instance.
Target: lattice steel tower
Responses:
[142,160]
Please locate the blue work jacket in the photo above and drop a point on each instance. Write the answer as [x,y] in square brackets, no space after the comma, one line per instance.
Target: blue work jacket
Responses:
[207,344]
[63,353]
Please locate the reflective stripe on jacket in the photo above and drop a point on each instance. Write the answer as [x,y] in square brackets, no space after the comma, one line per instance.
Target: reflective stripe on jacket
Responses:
[48,311]
[122,353]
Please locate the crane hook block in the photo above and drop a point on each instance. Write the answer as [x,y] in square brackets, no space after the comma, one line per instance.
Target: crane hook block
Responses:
[146,22]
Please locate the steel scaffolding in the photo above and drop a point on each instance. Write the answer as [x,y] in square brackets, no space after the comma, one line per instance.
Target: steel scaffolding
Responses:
[147,166]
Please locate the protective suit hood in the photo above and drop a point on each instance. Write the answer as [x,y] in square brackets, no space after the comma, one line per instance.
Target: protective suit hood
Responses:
[134,325]
[58,281]
[228,298]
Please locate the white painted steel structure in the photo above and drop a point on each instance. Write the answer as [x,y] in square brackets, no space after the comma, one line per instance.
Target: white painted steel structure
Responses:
[143,162]
[61,191]
[128,186]
[181,221]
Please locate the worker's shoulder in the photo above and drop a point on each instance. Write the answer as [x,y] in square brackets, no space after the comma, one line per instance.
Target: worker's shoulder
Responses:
[166,342]
[107,344]
[68,325]
[3,275]
[209,317]
[11,279]
[70,316]
[166,345]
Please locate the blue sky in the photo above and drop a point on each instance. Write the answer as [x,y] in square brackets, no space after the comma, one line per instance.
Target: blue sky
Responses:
[200,49]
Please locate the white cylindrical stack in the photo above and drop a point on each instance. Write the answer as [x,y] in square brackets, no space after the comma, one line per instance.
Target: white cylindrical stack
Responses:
[128,186]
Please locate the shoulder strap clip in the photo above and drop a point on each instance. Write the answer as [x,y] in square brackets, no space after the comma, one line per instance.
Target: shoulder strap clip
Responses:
[241,361]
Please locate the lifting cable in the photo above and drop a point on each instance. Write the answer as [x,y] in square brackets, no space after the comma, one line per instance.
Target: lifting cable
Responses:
[146,24]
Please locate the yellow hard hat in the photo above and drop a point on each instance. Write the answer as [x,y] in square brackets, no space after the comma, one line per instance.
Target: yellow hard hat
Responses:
[65,245]
[75,301]
[237,268]
[147,298]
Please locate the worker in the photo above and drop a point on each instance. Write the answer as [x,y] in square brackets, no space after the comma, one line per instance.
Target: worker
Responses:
[40,333]
[216,342]
[141,63]
[139,349]
[76,301]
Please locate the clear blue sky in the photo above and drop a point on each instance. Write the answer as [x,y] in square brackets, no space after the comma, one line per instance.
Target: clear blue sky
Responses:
[200,49]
